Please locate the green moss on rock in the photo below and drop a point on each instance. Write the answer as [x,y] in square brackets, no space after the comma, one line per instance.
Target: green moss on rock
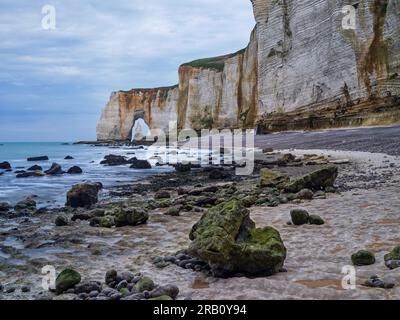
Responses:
[393,255]
[272,178]
[320,179]
[363,258]
[67,279]
[145,284]
[227,239]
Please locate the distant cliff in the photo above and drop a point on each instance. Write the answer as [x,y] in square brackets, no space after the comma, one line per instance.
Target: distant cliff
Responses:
[301,70]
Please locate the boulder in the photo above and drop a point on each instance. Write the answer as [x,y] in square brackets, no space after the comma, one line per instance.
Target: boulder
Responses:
[55,169]
[35,168]
[69,158]
[226,238]
[130,217]
[67,279]
[5,165]
[139,164]
[41,158]
[392,259]
[299,217]
[75,170]
[363,258]
[317,180]
[83,195]
[272,178]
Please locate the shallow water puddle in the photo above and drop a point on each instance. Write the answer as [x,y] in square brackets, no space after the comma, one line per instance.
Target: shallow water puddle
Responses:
[322,283]
[200,283]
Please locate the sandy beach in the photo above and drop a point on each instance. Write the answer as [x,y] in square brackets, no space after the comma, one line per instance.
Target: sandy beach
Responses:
[362,214]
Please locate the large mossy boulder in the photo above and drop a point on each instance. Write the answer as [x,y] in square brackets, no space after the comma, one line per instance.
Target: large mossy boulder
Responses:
[273,179]
[226,238]
[317,180]
[83,195]
[67,279]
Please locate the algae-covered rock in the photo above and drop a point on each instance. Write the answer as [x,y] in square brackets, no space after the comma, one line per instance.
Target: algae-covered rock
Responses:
[130,217]
[226,238]
[317,180]
[249,201]
[272,178]
[394,254]
[363,258]
[67,279]
[144,284]
[106,222]
[392,259]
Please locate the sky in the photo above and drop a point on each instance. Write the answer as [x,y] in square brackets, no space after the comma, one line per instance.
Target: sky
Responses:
[55,82]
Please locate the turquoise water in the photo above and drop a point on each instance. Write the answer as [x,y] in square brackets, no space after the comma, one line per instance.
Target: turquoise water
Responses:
[51,190]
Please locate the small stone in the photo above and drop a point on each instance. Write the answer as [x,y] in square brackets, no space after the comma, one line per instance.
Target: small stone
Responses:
[174,211]
[144,284]
[363,258]
[61,221]
[25,289]
[162,195]
[10,290]
[124,292]
[299,217]
[111,275]
[305,194]
[122,284]
[87,287]
[316,220]
[168,290]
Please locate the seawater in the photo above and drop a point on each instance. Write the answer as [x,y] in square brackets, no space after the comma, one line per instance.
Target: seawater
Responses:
[50,191]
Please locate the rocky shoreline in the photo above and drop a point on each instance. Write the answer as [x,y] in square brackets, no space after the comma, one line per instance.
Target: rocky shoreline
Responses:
[155,228]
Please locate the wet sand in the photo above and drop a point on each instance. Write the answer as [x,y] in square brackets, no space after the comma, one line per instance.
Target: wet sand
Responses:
[361,218]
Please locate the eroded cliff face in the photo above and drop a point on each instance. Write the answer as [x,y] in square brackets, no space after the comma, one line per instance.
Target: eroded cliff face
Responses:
[314,73]
[301,70]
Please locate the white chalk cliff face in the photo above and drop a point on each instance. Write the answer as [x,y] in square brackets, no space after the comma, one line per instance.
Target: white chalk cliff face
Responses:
[301,69]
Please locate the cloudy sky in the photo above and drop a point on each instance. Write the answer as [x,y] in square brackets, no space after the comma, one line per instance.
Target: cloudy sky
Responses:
[54,83]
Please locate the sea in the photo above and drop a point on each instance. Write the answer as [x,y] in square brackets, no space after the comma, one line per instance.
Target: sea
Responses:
[50,191]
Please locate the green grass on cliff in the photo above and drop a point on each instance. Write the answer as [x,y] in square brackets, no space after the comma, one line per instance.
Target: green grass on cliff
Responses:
[216,63]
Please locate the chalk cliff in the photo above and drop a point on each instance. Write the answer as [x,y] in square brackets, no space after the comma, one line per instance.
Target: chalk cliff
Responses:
[301,69]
